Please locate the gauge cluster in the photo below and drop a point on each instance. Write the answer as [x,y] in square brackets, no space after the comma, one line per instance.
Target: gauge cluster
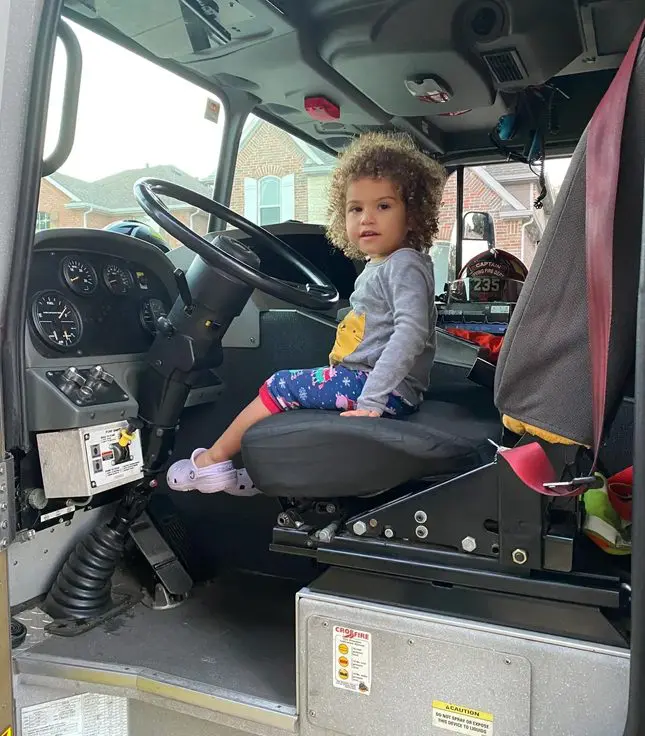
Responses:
[85,304]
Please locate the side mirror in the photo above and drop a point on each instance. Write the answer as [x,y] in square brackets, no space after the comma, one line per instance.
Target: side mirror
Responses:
[479,226]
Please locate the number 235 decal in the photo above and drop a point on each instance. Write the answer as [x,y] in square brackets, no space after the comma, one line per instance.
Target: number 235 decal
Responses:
[486,284]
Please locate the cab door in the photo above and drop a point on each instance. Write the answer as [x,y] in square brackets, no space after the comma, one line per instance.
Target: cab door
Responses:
[25,68]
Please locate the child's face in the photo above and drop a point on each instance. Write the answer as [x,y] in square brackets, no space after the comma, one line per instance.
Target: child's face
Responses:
[375,217]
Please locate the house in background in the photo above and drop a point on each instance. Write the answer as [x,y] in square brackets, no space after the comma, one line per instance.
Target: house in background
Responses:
[66,201]
[279,177]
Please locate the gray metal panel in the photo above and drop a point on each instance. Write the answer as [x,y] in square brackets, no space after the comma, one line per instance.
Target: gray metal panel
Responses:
[576,689]
[34,564]
[452,350]
[49,409]
[415,671]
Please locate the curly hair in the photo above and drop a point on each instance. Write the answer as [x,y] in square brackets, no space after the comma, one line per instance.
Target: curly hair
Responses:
[418,179]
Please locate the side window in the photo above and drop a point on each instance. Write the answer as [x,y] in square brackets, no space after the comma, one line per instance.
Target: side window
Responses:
[508,193]
[135,119]
[279,177]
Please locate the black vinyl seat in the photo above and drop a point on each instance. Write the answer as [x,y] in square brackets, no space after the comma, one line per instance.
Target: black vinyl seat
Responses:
[314,454]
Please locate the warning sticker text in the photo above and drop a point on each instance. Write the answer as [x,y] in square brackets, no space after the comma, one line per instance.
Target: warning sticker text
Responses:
[459,719]
[352,660]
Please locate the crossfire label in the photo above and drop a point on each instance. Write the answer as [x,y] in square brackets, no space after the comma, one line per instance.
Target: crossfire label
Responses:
[352,660]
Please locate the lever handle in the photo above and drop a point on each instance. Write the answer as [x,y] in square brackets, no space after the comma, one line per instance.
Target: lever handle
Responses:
[184,290]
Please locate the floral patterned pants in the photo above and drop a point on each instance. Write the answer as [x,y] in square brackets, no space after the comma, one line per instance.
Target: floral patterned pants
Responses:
[333,388]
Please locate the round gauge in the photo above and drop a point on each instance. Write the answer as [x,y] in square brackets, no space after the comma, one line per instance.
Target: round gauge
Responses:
[150,312]
[56,320]
[79,275]
[117,279]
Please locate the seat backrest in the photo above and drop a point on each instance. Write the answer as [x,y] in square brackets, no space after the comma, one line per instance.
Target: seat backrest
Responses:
[543,377]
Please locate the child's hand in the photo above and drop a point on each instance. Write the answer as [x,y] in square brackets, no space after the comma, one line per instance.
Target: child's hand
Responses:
[361,413]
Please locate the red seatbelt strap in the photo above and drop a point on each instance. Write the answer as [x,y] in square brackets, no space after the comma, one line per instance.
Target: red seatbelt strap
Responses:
[604,138]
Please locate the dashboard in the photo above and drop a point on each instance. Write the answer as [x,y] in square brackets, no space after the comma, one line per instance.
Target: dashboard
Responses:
[93,298]
[84,299]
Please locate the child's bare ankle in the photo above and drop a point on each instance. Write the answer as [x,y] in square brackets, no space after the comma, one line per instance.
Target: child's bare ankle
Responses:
[209,457]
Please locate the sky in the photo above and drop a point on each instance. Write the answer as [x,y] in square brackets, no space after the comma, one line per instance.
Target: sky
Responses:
[133,113]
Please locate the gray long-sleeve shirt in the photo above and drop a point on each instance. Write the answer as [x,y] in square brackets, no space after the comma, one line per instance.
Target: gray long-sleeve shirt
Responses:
[390,330]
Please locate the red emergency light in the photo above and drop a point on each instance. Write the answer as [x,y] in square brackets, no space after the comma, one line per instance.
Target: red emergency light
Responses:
[320,108]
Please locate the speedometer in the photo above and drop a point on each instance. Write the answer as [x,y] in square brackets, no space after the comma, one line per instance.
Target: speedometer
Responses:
[56,320]
[117,279]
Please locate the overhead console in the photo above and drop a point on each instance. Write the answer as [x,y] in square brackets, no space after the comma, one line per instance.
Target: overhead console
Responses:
[453,57]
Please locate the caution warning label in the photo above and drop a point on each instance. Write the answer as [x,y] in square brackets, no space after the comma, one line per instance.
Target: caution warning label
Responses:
[352,660]
[459,719]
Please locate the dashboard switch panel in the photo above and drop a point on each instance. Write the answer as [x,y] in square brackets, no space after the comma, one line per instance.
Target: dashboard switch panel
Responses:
[83,462]
[88,386]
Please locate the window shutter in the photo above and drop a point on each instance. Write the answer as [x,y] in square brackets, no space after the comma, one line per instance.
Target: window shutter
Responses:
[287,204]
[251,199]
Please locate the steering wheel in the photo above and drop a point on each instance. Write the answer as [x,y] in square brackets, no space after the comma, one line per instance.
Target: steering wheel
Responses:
[318,293]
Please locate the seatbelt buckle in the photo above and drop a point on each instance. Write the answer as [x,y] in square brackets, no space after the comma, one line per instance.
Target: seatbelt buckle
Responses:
[586,482]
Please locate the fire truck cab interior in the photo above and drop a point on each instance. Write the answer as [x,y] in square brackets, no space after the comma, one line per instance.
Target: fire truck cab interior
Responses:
[452,545]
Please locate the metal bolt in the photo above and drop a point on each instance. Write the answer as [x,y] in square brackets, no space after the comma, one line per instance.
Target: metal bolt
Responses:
[421,532]
[388,532]
[312,713]
[519,556]
[3,543]
[359,528]
[3,506]
[4,524]
[325,624]
[507,661]
[421,517]
[469,544]
[330,508]
[252,340]
[411,642]
[373,523]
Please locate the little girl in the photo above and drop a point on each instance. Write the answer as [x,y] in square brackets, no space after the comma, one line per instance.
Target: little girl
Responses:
[383,208]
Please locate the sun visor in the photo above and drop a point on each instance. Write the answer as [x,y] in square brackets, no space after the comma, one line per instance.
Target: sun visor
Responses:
[180,29]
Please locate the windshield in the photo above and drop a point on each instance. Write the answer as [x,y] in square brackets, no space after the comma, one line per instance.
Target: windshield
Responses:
[507,192]
[135,119]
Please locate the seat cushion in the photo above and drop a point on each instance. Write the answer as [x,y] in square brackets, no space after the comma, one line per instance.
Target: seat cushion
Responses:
[316,454]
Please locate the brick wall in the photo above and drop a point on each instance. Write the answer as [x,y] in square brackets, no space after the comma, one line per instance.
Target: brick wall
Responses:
[270,151]
[478,197]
